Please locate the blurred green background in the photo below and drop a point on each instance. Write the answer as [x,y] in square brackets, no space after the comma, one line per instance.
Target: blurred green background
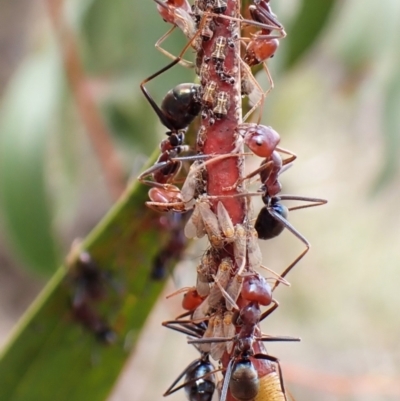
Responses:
[69,76]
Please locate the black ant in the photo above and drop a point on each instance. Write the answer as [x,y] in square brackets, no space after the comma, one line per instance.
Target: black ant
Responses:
[178,109]
[241,376]
[264,43]
[199,382]
[88,283]
[272,218]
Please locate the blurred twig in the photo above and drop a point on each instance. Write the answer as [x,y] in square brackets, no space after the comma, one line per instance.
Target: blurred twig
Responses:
[94,123]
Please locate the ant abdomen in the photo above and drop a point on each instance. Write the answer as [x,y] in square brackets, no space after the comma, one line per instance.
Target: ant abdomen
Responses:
[203,388]
[181,105]
[244,383]
[268,226]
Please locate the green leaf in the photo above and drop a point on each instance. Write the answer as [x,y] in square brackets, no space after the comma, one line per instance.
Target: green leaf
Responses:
[29,106]
[119,36]
[51,355]
[305,29]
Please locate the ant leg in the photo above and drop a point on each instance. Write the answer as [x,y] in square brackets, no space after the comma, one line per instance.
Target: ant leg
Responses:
[286,163]
[215,158]
[316,202]
[277,338]
[184,63]
[187,370]
[227,297]
[287,152]
[211,340]
[277,276]
[276,26]
[188,327]
[250,175]
[276,361]
[260,102]
[297,234]
[147,95]
[160,165]
[313,201]
[177,207]
[161,71]
[191,366]
[270,310]
[227,379]
[195,379]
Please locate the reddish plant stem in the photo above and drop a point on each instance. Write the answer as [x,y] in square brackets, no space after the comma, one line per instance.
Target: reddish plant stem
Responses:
[220,137]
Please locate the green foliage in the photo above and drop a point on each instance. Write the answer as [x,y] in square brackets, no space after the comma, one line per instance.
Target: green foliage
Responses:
[50,352]
[30,106]
[306,28]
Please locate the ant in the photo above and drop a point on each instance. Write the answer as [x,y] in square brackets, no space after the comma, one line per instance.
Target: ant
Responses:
[241,376]
[179,14]
[263,142]
[179,108]
[218,6]
[88,282]
[272,218]
[165,197]
[199,382]
[263,44]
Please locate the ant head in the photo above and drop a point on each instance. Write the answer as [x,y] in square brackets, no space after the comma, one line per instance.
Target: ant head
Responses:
[256,289]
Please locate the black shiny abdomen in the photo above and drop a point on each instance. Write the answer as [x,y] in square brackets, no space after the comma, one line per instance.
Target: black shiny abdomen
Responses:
[267,226]
[181,105]
[201,389]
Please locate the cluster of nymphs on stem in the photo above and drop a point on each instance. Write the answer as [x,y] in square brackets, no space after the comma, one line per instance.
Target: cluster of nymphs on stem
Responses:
[223,309]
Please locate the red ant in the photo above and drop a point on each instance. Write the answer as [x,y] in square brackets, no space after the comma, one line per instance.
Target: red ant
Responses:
[166,197]
[241,376]
[272,218]
[240,368]
[179,14]
[263,44]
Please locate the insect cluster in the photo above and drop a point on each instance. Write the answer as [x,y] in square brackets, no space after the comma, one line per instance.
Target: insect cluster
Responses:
[223,310]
